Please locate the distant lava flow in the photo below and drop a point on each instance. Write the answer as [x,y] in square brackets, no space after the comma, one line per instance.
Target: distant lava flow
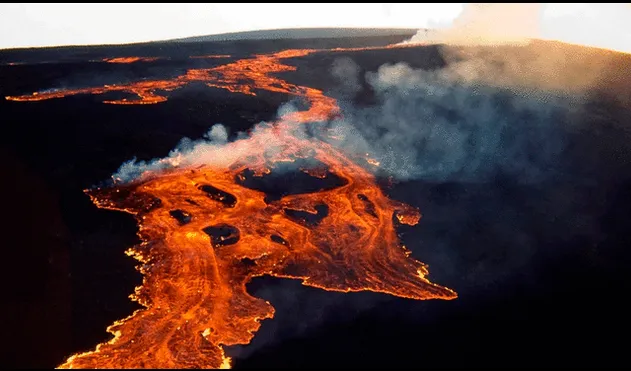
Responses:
[130,59]
[243,76]
[207,230]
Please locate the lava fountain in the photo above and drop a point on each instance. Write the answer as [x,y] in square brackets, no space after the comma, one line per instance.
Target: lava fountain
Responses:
[206,231]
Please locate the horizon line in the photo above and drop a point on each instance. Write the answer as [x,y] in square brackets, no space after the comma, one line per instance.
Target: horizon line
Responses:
[234,33]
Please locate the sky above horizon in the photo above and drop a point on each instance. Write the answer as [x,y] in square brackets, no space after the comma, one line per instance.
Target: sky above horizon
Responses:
[34,25]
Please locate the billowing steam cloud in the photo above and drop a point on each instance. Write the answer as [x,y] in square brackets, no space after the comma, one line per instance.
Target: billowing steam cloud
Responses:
[487,23]
[187,152]
[444,126]
[599,25]
[450,124]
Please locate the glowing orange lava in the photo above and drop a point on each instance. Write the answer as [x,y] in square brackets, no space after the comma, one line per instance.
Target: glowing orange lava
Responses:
[130,59]
[206,233]
[243,76]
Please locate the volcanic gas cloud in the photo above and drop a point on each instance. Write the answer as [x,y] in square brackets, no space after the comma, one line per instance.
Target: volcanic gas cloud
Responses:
[207,230]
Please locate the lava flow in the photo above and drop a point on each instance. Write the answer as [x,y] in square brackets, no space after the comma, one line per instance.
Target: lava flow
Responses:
[207,230]
[130,59]
[243,76]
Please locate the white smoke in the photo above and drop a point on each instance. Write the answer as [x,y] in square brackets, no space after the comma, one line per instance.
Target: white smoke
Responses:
[600,25]
[439,125]
[187,153]
[213,149]
[487,24]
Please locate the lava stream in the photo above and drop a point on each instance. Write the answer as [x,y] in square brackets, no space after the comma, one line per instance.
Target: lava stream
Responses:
[243,76]
[130,59]
[205,233]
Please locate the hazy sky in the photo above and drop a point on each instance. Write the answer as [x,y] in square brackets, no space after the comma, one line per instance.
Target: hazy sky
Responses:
[26,25]
[23,25]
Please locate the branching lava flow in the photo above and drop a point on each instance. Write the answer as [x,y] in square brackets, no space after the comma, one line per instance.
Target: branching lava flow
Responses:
[206,232]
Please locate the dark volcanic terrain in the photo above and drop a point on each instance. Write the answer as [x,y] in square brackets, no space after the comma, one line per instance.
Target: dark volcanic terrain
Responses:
[541,269]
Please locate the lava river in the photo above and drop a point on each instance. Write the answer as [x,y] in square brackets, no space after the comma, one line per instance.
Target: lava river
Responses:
[206,231]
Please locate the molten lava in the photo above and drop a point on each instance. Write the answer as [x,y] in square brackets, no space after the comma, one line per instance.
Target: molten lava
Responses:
[206,231]
[243,76]
[130,59]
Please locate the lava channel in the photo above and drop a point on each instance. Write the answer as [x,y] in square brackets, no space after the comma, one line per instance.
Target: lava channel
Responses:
[206,231]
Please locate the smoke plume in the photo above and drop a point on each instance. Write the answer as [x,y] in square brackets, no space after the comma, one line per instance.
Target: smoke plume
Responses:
[469,121]
[492,109]
[445,125]
[188,152]
[487,24]
[598,25]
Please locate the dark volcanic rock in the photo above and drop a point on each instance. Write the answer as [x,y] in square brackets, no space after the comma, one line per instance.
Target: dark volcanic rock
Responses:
[546,261]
